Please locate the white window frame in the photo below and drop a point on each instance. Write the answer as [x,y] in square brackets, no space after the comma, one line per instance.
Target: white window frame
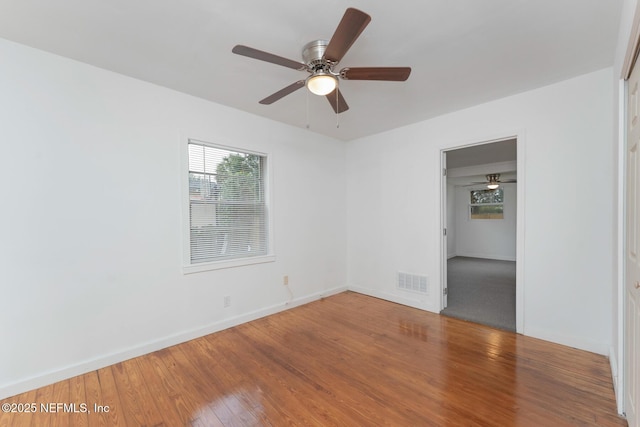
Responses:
[187,266]
[471,205]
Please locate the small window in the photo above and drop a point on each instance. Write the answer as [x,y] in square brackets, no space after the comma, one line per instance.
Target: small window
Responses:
[227,206]
[487,204]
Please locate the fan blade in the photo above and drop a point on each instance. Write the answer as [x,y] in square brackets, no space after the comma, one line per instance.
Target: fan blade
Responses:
[396,74]
[282,93]
[352,24]
[268,57]
[338,103]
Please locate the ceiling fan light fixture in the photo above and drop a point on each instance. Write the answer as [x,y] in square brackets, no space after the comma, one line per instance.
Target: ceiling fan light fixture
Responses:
[493,179]
[322,83]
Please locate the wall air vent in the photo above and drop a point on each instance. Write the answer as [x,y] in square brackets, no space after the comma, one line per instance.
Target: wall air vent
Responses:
[413,283]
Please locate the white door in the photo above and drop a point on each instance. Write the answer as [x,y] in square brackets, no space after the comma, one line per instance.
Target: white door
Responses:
[632,277]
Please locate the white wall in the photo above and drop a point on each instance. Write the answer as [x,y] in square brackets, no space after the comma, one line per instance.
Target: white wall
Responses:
[90,225]
[486,238]
[566,138]
[91,239]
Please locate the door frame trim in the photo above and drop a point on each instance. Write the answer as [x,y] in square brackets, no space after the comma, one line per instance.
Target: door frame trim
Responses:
[519,136]
[617,363]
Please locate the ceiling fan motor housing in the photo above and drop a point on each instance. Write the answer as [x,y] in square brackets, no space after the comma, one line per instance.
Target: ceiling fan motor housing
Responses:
[313,56]
[494,177]
[322,80]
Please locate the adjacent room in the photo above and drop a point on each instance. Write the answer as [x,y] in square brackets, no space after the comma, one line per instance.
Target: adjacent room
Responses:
[254,213]
[481,212]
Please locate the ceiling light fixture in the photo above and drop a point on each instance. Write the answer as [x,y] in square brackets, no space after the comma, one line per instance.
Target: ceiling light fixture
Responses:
[493,181]
[322,83]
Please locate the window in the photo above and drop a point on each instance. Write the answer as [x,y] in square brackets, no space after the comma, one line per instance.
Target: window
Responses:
[227,206]
[487,204]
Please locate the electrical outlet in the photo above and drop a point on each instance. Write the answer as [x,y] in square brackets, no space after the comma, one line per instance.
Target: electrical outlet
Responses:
[227,301]
[285,280]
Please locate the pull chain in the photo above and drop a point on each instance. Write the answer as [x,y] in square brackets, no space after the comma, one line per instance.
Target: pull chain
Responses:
[337,110]
[307,109]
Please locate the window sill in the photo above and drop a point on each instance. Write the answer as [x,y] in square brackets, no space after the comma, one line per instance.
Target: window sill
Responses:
[218,265]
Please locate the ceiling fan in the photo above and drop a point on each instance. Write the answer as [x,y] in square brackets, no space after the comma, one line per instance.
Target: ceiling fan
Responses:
[321,57]
[493,181]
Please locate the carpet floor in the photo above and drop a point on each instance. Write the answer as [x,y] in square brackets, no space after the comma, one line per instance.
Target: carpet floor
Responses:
[482,291]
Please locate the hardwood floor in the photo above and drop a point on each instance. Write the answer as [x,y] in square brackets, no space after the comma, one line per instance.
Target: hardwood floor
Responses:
[347,360]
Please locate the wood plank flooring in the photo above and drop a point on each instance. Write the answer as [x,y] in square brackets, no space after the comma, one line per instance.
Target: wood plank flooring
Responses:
[347,360]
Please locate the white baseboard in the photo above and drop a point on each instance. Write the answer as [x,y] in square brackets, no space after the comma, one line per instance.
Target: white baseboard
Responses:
[486,256]
[613,362]
[50,377]
[569,341]
[408,301]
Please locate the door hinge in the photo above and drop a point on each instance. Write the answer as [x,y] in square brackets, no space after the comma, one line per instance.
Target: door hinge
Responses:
[444,171]
[444,231]
[445,291]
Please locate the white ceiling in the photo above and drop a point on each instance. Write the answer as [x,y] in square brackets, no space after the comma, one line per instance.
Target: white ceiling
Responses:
[462,52]
[481,154]
[471,164]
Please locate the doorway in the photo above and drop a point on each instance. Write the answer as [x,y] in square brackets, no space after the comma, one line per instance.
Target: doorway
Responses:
[482,220]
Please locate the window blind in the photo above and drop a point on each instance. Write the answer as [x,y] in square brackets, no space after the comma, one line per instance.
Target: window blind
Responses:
[227,209]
